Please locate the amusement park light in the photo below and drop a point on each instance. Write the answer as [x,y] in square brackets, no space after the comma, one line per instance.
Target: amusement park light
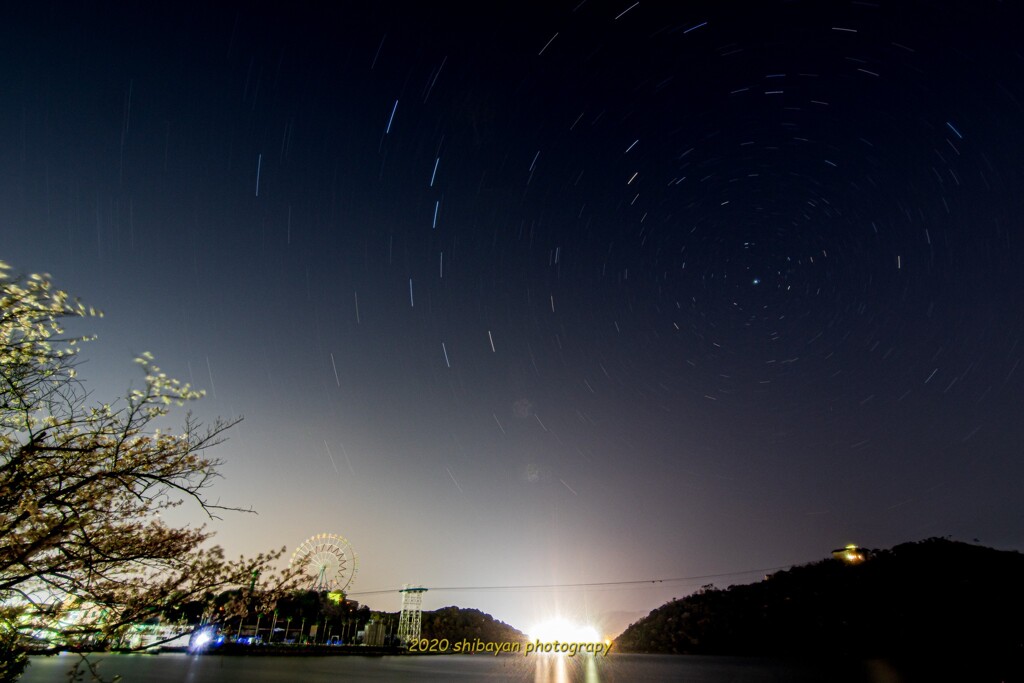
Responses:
[205,638]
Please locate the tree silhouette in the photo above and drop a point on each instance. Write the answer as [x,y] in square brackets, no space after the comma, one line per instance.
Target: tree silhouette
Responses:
[83,548]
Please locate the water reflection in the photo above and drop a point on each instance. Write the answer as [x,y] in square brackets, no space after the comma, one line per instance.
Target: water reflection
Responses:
[533,668]
[565,669]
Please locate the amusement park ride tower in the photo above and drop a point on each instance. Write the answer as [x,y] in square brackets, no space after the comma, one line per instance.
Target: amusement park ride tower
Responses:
[412,612]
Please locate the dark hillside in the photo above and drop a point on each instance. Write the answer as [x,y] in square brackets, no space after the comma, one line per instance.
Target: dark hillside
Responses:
[918,600]
[459,623]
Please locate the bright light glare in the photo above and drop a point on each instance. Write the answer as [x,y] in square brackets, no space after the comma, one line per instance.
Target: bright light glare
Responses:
[201,640]
[563,631]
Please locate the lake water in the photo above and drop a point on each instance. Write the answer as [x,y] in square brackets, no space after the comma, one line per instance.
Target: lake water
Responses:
[621,668]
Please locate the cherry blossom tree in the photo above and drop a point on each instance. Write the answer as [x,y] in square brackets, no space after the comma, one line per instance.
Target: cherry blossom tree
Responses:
[84,550]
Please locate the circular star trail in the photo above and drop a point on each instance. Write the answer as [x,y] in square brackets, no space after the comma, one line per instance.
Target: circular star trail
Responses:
[549,293]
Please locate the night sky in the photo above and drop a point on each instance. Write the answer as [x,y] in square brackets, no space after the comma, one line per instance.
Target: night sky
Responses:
[548,292]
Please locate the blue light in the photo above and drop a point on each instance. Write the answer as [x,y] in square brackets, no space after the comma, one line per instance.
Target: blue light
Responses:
[206,638]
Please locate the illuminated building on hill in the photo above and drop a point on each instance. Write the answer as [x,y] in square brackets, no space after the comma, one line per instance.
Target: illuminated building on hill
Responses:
[850,554]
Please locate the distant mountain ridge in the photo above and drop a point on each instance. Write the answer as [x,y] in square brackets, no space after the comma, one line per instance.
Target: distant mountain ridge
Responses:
[935,597]
[460,623]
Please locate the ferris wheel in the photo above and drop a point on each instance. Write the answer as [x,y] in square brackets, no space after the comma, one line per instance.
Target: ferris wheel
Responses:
[329,562]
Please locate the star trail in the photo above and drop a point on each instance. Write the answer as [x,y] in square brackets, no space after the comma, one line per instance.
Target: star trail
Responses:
[582,293]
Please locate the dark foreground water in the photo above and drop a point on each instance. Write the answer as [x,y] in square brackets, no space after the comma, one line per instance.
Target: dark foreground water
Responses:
[182,668]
